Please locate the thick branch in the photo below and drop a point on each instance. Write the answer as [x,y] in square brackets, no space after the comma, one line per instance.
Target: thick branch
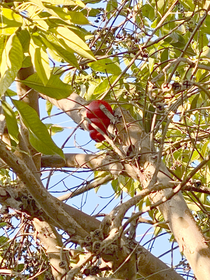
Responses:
[147,263]
[52,242]
[46,232]
[30,97]
[186,232]
[103,162]
[73,106]
[50,205]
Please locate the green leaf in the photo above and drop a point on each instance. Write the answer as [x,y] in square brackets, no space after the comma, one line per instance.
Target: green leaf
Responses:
[49,107]
[10,92]
[151,64]
[3,41]
[3,224]
[164,57]
[54,128]
[160,4]
[72,16]
[157,231]
[40,60]
[42,19]
[111,7]
[55,88]
[104,85]
[99,174]
[195,155]
[10,21]
[12,58]
[81,32]
[106,66]
[204,150]
[91,1]
[66,2]
[27,61]
[11,122]
[3,239]
[24,37]
[188,4]
[38,134]
[55,48]
[175,40]
[206,52]
[69,38]
[76,18]
[93,12]
[116,187]
[193,104]
[148,11]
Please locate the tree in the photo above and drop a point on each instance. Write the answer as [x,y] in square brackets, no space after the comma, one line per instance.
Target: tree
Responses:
[150,61]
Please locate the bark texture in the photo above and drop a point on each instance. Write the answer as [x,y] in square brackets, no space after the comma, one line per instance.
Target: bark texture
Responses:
[147,167]
[147,264]
[132,141]
[46,233]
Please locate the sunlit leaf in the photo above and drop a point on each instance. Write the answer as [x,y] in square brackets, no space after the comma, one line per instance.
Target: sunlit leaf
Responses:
[66,36]
[104,85]
[111,7]
[24,38]
[49,107]
[194,102]
[61,53]
[148,11]
[188,4]
[10,21]
[160,4]
[106,66]
[53,128]
[55,88]
[39,136]
[74,17]
[204,150]
[195,155]
[91,1]
[12,58]
[151,64]
[10,92]
[3,41]
[175,40]
[66,2]
[40,60]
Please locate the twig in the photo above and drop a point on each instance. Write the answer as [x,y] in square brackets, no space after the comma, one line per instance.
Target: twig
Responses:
[86,188]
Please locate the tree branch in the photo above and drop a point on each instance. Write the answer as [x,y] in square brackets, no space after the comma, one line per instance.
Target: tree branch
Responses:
[16,197]
[104,161]
[48,236]
[49,204]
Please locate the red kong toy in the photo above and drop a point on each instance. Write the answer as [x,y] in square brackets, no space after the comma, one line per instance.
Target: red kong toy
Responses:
[97,116]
